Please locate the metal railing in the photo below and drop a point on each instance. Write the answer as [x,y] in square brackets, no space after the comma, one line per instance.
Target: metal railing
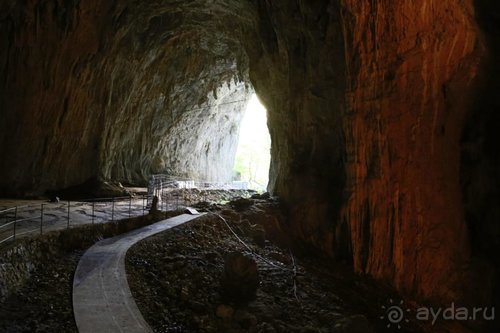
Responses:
[179,191]
[35,219]
[172,192]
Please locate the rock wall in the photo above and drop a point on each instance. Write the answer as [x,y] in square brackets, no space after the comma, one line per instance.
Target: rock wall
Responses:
[299,73]
[408,103]
[367,103]
[480,156]
[107,90]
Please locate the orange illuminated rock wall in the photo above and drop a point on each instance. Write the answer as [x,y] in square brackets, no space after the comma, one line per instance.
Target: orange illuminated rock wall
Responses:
[408,95]
[368,102]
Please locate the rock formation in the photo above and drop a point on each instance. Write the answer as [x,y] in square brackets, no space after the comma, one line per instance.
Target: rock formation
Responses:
[380,114]
[368,102]
[117,91]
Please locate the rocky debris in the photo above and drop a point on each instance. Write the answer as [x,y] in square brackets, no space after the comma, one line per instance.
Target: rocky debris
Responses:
[154,205]
[354,324]
[241,204]
[205,206]
[175,278]
[16,265]
[203,199]
[258,234]
[43,302]
[36,274]
[245,319]
[91,188]
[256,231]
[220,196]
[224,311]
[282,258]
[240,280]
[261,196]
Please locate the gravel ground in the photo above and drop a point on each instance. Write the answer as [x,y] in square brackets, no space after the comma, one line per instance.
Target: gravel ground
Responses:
[175,278]
[43,304]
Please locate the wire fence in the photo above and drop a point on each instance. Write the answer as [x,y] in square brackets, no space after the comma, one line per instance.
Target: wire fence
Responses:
[39,218]
[172,193]
[177,191]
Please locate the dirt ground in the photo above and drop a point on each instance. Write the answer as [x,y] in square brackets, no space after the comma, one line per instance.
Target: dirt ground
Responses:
[43,304]
[56,214]
[175,278]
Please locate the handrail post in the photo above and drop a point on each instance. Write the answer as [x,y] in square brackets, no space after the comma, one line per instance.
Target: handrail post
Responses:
[129,206]
[162,194]
[69,206]
[112,209]
[177,198]
[41,219]
[185,196]
[15,222]
[93,210]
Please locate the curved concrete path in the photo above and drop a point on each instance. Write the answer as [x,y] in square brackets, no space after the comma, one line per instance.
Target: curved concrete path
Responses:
[102,302]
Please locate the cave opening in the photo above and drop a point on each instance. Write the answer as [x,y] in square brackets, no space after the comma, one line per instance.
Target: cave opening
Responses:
[381,117]
[253,155]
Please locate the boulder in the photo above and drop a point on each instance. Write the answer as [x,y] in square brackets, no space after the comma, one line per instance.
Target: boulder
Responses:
[240,279]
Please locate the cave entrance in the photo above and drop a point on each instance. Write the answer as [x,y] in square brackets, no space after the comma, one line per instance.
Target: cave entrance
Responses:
[253,154]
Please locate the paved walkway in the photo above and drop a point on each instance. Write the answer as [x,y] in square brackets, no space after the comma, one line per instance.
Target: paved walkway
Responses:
[102,301]
[55,215]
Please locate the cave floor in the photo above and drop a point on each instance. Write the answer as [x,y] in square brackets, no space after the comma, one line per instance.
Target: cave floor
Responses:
[43,303]
[175,279]
[55,214]
[100,289]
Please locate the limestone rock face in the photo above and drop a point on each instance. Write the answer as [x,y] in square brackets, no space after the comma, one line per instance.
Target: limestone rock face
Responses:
[408,102]
[367,106]
[380,114]
[117,90]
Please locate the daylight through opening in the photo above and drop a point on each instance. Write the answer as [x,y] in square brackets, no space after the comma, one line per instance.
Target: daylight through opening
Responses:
[254,147]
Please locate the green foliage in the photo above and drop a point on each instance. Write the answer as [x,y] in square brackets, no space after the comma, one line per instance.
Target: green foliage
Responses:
[252,163]
[253,155]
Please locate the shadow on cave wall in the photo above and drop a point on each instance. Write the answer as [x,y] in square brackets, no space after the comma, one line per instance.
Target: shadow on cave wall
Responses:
[480,162]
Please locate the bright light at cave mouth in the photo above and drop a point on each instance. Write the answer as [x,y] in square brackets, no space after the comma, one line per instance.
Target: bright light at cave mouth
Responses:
[254,148]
